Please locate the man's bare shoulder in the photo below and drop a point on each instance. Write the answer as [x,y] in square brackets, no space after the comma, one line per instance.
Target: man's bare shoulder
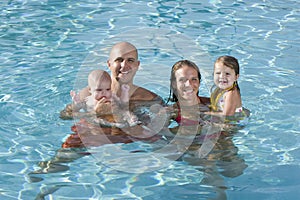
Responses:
[143,94]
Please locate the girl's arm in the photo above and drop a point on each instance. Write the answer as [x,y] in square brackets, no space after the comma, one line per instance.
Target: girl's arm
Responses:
[232,102]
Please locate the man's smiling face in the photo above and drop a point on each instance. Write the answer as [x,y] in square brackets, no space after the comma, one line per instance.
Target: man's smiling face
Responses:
[123,63]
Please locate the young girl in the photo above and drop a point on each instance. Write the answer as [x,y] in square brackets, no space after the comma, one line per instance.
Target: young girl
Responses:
[226,98]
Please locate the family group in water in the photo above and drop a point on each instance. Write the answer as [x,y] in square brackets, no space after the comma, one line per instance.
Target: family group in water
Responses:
[112,105]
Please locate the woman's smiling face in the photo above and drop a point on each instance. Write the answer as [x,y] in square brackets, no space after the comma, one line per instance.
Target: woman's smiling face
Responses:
[187,83]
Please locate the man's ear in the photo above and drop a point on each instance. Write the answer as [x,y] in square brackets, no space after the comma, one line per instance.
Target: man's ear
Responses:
[237,76]
[108,64]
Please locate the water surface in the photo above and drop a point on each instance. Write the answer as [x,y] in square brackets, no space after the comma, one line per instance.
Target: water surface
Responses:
[48,47]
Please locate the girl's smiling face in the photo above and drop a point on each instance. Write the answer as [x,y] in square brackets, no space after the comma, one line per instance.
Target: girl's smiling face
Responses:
[224,76]
[187,83]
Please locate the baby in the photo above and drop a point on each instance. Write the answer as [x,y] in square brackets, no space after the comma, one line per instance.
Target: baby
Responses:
[102,102]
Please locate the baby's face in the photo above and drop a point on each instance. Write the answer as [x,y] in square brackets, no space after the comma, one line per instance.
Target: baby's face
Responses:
[102,90]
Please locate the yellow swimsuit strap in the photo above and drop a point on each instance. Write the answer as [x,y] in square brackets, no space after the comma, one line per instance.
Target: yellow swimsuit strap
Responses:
[216,95]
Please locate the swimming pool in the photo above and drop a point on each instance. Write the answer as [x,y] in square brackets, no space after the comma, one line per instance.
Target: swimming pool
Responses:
[47,47]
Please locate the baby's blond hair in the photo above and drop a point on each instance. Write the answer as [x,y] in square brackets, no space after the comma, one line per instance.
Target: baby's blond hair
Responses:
[98,75]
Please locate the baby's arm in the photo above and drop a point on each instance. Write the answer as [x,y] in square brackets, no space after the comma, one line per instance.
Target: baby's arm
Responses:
[124,93]
[90,103]
[72,110]
[128,116]
[75,97]
[77,104]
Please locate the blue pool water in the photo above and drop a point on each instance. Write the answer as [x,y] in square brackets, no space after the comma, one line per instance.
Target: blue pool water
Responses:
[47,48]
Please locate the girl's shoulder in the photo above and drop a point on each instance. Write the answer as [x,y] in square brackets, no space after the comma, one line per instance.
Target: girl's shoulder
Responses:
[234,92]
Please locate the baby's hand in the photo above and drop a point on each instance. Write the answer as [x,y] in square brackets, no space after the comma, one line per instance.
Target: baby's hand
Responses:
[75,97]
[125,88]
[103,107]
[125,93]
